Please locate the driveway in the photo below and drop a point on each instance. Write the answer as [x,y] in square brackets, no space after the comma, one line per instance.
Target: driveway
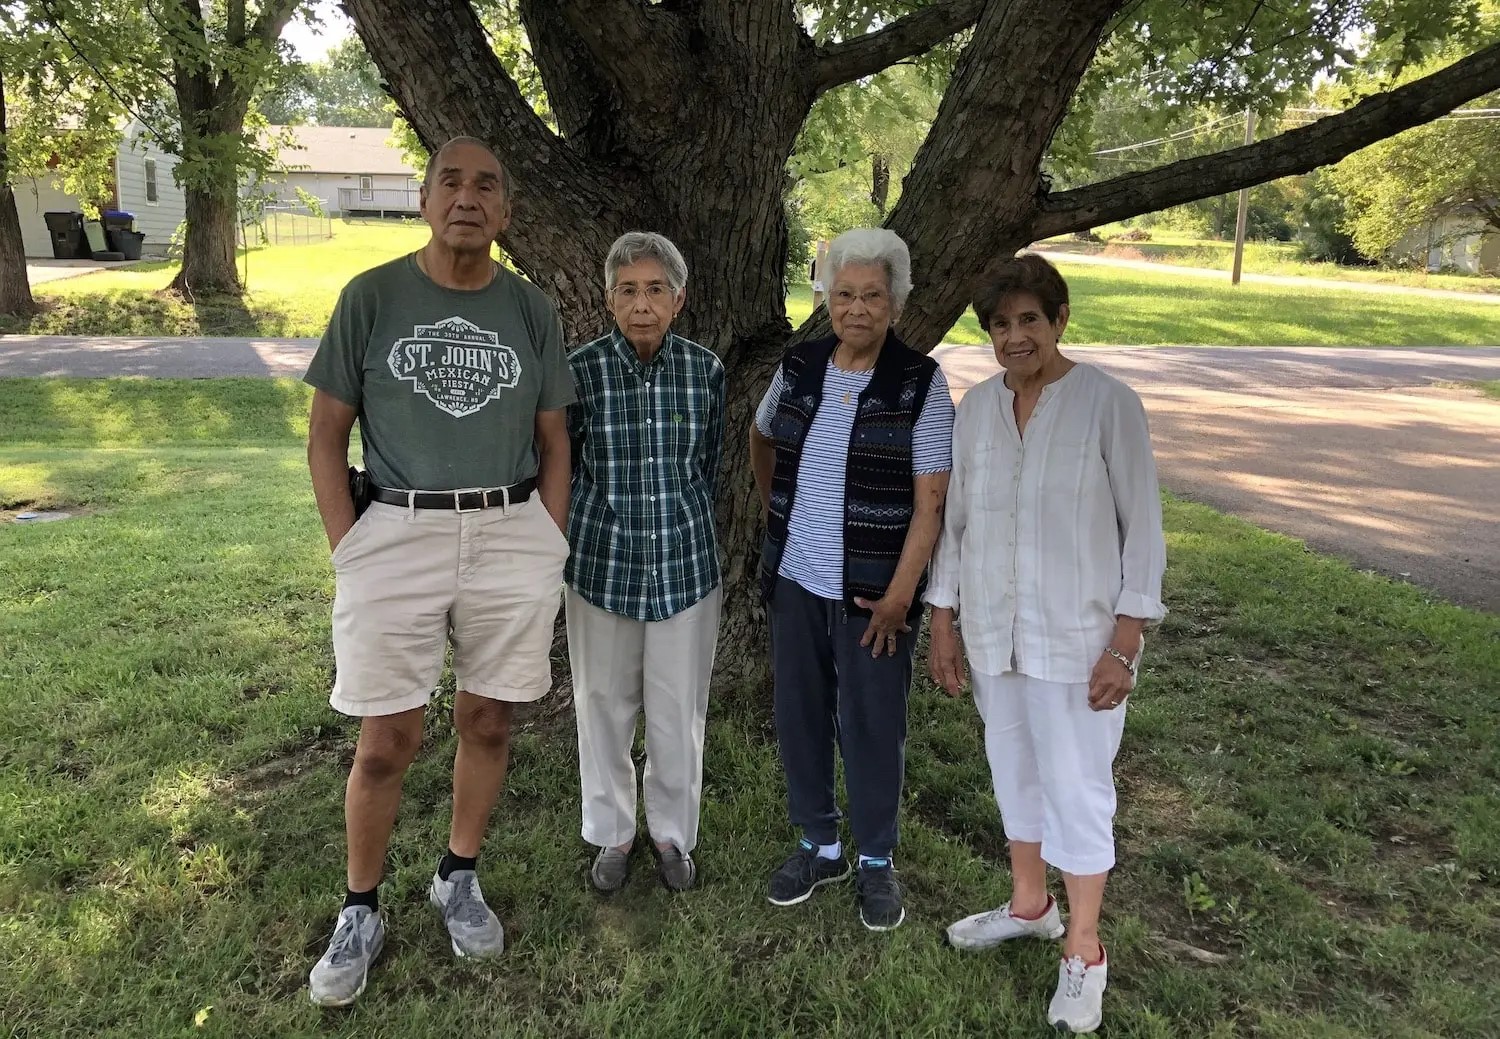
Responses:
[1369,454]
[40,271]
[1372,455]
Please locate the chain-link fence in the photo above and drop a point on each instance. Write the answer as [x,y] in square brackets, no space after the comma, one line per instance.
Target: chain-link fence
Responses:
[285,224]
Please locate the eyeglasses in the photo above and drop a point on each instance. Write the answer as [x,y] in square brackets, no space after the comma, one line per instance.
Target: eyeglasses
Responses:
[873,299]
[656,292]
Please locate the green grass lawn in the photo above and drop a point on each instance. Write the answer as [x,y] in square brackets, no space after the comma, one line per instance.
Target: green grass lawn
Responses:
[1177,249]
[1309,790]
[292,289]
[1489,387]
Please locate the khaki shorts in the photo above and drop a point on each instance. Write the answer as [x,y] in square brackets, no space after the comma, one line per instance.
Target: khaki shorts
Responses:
[408,581]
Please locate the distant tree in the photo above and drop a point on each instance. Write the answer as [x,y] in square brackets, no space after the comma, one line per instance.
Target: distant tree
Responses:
[1321,214]
[342,90]
[54,123]
[1445,168]
[189,72]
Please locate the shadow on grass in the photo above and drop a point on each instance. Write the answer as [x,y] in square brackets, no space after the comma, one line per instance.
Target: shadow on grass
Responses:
[142,312]
[140,412]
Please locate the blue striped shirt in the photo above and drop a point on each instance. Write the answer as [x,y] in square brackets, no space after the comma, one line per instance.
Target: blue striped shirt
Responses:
[814,553]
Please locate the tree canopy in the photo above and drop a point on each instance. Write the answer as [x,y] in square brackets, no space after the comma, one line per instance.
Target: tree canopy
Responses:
[1449,167]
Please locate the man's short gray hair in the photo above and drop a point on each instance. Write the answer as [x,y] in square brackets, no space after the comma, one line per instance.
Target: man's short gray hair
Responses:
[635,246]
[872,245]
[449,143]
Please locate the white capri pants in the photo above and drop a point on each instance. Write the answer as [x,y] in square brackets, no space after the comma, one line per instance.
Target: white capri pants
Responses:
[1051,760]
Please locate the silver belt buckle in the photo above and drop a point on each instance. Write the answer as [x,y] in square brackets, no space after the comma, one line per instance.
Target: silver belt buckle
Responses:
[458,498]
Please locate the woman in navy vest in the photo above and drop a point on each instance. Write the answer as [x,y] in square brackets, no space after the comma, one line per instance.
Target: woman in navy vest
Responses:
[851,448]
[1052,552]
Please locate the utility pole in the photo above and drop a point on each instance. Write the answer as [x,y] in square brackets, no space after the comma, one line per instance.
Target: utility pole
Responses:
[1244,214]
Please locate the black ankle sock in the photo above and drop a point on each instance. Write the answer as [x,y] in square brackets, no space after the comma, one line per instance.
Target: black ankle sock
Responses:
[369,898]
[451,862]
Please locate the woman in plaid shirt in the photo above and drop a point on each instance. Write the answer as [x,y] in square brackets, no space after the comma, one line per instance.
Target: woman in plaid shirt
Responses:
[643,594]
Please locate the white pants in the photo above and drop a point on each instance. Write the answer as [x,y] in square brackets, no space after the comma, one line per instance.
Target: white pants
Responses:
[621,665]
[1051,760]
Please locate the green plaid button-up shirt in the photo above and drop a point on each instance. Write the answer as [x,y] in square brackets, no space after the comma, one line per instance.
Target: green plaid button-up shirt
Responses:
[646,444]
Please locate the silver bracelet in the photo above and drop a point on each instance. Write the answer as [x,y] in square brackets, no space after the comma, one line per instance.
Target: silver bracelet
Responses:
[1130,665]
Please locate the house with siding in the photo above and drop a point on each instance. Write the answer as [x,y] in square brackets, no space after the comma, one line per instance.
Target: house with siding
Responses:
[350,170]
[143,185]
[1463,240]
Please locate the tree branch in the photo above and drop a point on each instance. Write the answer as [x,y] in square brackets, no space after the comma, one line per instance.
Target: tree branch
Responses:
[1297,151]
[272,20]
[906,37]
[576,91]
[618,32]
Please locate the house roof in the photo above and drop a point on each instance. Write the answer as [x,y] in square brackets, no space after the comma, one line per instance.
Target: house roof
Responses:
[342,149]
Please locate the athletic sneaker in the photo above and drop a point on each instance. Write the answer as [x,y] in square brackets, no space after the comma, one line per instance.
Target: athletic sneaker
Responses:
[339,977]
[803,873]
[475,930]
[985,930]
[879,894]
[1078,1003]
[611,867]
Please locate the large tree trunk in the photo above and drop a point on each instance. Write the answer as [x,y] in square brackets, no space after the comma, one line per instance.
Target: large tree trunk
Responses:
[15,290]
[212,120]
[680,118]
[208,254]
[215,73]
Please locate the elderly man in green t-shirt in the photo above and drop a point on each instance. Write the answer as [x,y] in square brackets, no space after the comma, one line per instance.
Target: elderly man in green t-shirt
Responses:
[455,369]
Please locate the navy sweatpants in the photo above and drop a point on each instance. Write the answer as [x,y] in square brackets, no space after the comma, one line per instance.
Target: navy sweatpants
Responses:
[829,688]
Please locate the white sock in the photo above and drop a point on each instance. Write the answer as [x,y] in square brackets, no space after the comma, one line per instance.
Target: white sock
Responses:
[830,851]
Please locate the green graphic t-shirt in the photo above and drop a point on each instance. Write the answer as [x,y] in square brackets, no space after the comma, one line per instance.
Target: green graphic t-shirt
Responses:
[447,382]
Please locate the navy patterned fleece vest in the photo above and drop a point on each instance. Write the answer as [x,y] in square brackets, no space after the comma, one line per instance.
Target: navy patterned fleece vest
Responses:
[879,488]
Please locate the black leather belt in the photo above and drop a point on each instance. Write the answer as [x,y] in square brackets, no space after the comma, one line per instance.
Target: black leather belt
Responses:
[458,501]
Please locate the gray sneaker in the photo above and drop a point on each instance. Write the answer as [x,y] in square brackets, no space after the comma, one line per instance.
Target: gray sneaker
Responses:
[339,977]
[475,930]
[675,868]
[611,867]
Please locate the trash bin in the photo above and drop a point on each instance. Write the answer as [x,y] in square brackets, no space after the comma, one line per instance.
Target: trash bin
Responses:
[115,221]
[66,231]
[128,244]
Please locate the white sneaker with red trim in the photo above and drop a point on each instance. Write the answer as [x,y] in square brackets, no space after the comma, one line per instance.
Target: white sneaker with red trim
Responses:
[1078,1003]
[985,930]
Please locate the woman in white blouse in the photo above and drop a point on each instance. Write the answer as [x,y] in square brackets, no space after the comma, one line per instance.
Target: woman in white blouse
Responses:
[1052,552]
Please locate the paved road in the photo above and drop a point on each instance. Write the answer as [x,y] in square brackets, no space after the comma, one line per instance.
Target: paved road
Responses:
[180,358]
[1370,454]
[1366,454]
[1293,280]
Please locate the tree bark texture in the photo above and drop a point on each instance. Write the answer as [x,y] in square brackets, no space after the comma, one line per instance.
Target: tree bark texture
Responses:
[15,289]
[880,182]
[680,118]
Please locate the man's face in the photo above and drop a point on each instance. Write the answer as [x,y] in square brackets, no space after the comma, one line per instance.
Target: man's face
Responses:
[466,205]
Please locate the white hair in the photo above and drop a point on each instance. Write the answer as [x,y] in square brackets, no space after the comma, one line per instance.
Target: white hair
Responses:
[635,246]
[872,245]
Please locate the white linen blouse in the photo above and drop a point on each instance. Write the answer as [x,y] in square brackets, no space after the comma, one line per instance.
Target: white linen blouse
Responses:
[1046,539]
